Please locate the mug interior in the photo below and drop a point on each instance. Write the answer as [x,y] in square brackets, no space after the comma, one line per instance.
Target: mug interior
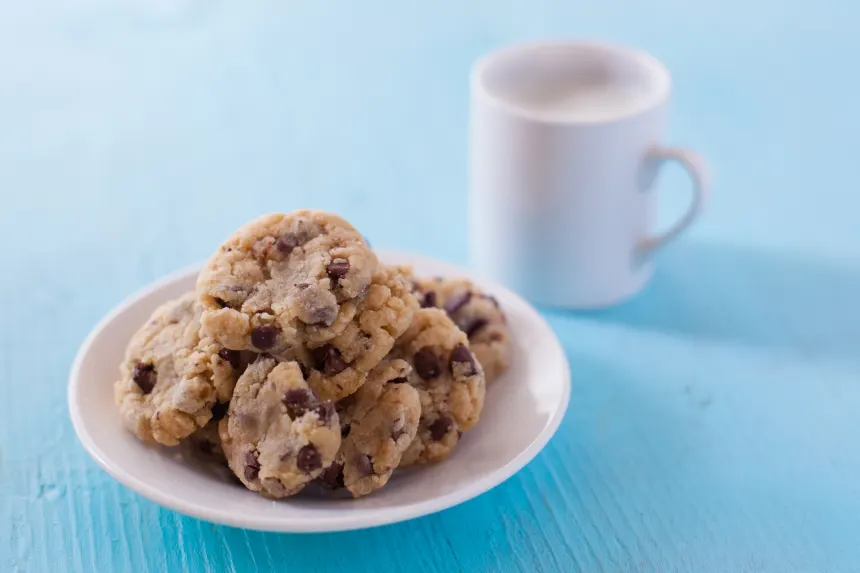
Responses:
[572,82]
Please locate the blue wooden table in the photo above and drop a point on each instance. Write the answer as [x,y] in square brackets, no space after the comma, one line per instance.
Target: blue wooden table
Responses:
[715,420]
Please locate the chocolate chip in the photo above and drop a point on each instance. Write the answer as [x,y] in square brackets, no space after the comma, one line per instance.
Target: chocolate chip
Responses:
[337,269]
[252,465]
[461,355]
[328,360]
[318,356]
[243,290]
[440,427]
[308,459]
[287,242]
[325,411]
[219,410]
[144,376]
[398,381]
[457,302]
[297,402]
[264,337]
[427,364]
[344,431]
[429,300]
[363,464]
[333,475]
[323,314]
[472,326]
[234,357]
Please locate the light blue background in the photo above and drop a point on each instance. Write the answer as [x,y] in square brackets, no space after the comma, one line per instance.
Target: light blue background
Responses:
[714,420]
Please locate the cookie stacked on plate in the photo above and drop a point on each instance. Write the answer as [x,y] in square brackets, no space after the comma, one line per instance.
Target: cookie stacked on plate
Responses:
[302,358]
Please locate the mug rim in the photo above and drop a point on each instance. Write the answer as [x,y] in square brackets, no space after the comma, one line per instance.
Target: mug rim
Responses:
[640,57]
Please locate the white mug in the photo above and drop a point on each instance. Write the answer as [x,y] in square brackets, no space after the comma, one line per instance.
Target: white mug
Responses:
[564,152]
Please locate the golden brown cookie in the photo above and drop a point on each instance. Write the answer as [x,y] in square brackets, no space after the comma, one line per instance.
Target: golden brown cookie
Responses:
[449,380]
[338,367]
[377,425]
[277,435]
[477,314]
[284,278]
[173,375]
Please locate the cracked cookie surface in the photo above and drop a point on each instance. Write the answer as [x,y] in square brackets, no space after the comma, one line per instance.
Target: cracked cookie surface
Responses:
[477,314]
[283,279]
[449,380]
[378,423]
[173,375]
[277,435]
[339,366]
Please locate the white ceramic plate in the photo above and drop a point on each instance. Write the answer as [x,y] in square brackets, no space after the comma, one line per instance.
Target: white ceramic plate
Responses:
[522,411]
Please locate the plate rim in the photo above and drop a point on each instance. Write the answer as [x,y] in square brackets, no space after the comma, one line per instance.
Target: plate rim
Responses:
[336,523]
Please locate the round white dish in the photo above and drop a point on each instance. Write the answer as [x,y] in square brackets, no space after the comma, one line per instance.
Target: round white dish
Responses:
[523,409]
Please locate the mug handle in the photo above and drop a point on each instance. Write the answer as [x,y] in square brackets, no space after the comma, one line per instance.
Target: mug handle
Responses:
[695,167]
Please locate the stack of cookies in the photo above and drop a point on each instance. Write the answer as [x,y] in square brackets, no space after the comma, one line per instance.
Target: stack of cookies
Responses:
[302,358]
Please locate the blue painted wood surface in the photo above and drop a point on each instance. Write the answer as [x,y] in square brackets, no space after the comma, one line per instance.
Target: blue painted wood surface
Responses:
[714,421]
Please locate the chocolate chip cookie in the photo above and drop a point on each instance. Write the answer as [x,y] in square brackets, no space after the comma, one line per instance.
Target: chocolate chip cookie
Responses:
[377,425]
[277,435]
[173,375]
[339,366]
[283,279]
[449,380]
[477,314]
